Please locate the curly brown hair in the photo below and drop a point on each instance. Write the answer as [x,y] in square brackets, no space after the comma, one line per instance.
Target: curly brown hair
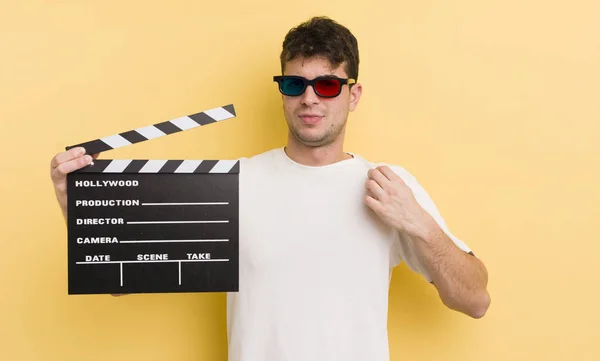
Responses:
[322,37]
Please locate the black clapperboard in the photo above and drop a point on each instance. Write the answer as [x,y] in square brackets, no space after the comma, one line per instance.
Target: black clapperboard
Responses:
[154,226]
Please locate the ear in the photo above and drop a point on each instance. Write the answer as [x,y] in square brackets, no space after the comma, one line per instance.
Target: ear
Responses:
[355,93]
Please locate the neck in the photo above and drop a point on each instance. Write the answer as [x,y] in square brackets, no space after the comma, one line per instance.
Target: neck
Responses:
[315,156]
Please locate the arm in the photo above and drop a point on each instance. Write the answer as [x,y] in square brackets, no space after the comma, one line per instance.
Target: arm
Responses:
[62,164]
[460,277]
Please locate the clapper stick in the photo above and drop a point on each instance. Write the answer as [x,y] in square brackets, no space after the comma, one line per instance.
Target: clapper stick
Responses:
[158,130]
[150,225]
[161,166]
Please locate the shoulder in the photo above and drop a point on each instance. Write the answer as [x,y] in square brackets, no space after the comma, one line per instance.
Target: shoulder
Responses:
[398,169]
[411,181]
[260,160]
[422,197]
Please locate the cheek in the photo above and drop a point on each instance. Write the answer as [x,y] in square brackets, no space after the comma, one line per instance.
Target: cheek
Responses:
[289,106]
[338,112]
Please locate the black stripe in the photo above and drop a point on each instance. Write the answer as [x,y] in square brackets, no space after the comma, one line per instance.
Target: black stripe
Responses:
[202,118]
[230,109]
[235,168]
[167,127]
[170,166]
[135,166]
[206,166]
[133,136]
[92,147]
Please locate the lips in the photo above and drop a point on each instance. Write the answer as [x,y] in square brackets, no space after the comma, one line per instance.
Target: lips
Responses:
[310,118]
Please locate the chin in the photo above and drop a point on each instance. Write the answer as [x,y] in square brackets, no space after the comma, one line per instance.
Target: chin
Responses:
[312,140]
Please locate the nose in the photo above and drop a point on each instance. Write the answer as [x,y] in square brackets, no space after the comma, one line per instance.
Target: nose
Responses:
[310,97]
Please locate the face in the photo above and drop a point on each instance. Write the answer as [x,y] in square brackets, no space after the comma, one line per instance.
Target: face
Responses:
[312,120]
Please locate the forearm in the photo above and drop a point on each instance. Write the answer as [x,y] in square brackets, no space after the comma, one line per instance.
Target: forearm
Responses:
[460,278]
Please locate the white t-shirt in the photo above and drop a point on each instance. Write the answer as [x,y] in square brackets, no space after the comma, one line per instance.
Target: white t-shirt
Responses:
[315,262]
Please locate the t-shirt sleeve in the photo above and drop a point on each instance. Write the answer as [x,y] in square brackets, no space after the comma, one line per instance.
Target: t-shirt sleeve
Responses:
[402,247]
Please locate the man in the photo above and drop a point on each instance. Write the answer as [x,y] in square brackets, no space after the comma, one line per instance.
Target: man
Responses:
[322,229]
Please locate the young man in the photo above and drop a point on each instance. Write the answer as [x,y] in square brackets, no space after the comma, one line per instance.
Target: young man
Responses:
[321,229]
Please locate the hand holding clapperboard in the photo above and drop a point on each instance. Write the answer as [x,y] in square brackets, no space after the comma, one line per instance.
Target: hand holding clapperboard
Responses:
[148,226]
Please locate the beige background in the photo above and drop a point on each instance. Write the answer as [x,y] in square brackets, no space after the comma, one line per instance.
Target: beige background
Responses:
[493,105]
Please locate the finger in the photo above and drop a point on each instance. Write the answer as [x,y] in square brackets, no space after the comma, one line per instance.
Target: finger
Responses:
[373,203]
[67,156]
[379,177]
[72,165]
[374,189]
[94,157]
[389,174]
[372,195]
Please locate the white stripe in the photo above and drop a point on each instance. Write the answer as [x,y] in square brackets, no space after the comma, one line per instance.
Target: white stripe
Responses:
[184,123]
[223,166]
[152,166]
[176,240]
[117,166]
[115,141]
[218,114]
[187,204]
[173,222]
[188,166]
[150,132]
[158,261]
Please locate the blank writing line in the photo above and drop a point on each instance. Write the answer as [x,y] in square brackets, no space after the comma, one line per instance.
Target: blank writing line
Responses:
[187,204]
[173,222]
[165,261]
[174,240]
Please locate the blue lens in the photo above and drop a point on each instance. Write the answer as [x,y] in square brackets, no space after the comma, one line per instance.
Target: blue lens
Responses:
[292,86]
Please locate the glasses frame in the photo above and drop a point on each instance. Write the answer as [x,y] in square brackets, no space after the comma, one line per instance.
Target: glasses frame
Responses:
[306,82]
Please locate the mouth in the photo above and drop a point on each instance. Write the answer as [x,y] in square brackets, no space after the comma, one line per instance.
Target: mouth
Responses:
[310,118]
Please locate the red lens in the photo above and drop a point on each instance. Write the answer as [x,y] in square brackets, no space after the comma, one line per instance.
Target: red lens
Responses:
[327,87]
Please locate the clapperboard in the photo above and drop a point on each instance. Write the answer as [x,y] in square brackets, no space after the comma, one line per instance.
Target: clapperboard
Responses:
[150,226]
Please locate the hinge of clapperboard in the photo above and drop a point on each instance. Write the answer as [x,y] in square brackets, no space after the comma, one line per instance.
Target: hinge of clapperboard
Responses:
[138,135]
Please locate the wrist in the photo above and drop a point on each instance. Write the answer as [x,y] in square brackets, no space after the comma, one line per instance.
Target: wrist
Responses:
[428,230]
